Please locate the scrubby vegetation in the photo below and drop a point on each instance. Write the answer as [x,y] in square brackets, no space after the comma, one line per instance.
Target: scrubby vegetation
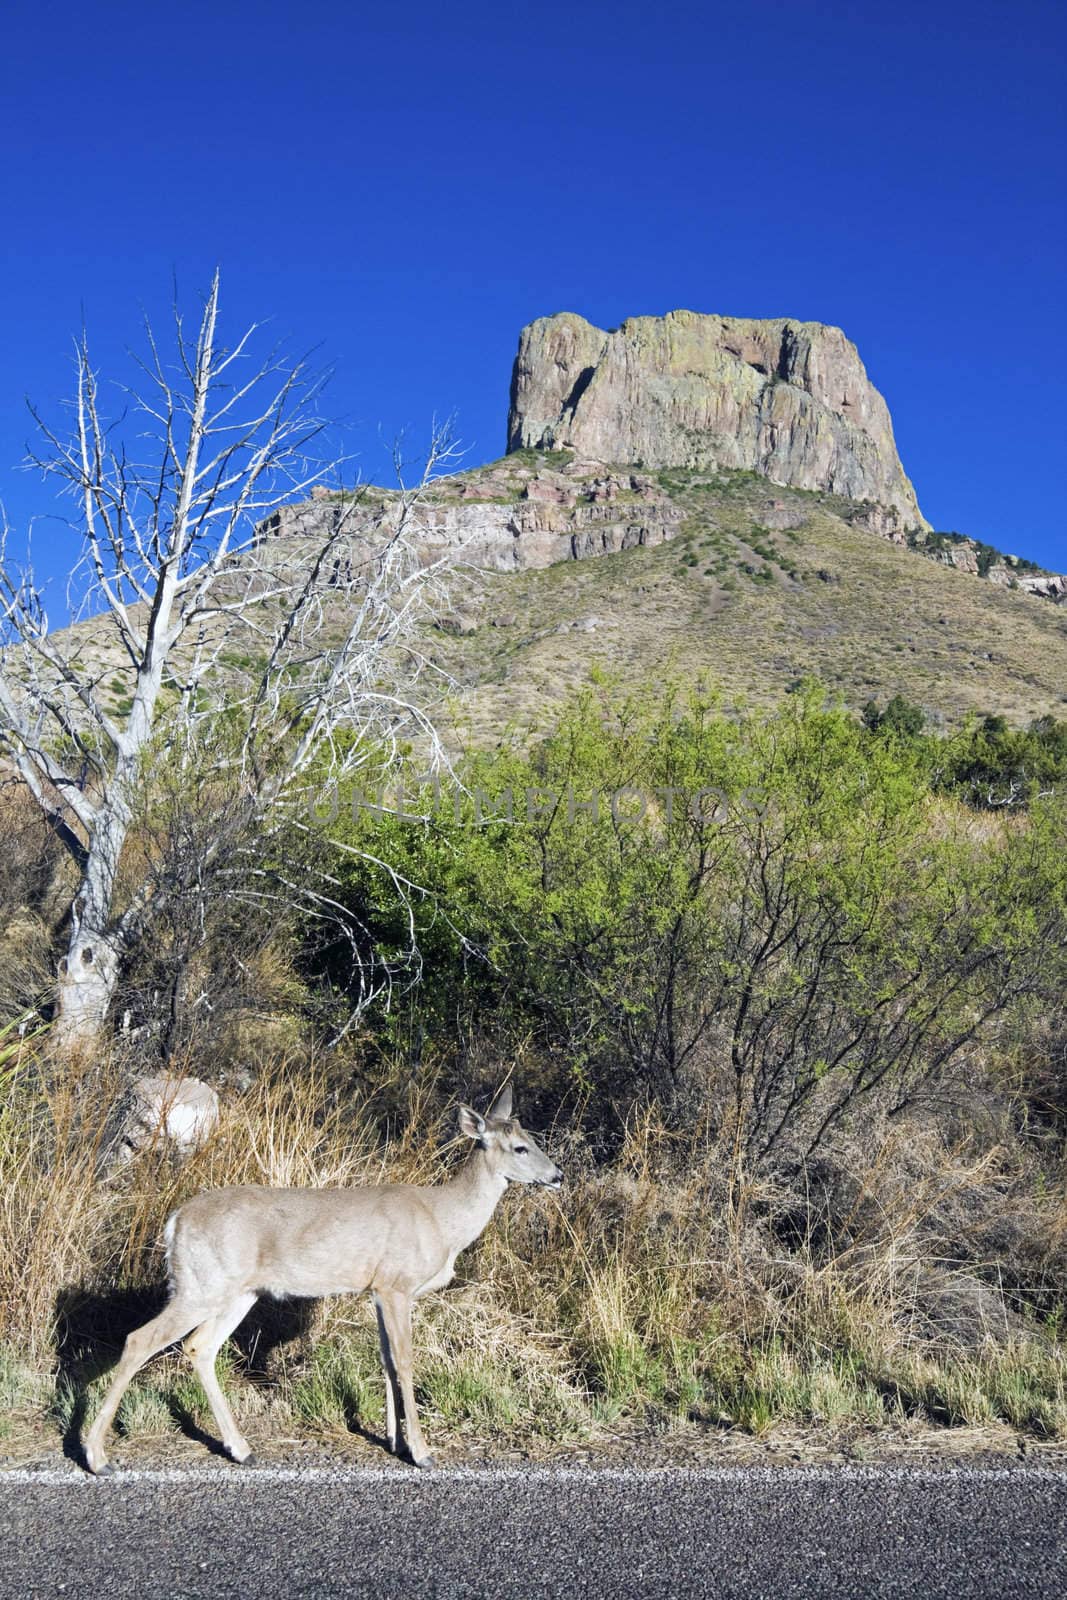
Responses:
[987,763]
[785,989]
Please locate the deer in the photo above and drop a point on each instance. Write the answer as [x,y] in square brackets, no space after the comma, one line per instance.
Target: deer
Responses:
[398,1241]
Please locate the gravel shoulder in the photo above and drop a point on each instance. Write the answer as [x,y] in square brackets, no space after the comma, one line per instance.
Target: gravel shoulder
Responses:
[38,1447]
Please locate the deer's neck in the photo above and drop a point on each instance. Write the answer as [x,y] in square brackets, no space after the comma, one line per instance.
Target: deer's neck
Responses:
[470,1199]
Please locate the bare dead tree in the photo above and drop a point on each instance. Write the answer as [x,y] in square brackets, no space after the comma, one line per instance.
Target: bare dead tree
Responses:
[195,618]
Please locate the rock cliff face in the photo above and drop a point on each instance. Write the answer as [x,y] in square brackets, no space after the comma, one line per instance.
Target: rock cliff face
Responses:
[789,400]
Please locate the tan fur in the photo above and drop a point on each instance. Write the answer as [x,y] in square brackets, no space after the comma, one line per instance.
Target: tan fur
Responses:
[397,1241]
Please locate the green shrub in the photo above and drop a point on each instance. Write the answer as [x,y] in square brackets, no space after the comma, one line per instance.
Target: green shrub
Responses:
[809,933]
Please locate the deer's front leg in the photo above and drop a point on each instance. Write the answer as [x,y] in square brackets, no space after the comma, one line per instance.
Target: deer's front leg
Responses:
[396,1310]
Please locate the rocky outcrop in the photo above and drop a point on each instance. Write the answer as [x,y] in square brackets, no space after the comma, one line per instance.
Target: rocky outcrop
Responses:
[508,517]
[982,560]
[1046,585]
[525,512]
[789,400]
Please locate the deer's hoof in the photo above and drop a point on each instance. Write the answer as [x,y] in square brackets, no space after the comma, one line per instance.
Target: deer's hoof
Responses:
[104,1470]
[423,1462]
[246,1460]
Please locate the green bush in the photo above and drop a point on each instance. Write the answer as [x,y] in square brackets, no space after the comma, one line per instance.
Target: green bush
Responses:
[770,913]
[899,717]
[992,765]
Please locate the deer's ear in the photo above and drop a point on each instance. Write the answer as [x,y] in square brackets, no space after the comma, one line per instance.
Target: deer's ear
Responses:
[471,1124]
[500,1110]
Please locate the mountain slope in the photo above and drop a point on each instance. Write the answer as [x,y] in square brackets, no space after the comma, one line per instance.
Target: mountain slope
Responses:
[566,565]
[752,588]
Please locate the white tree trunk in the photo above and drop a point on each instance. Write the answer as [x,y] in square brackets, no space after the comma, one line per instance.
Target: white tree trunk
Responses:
[89,972]
[88,977]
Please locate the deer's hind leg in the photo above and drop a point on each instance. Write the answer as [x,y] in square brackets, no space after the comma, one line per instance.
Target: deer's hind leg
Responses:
[202,1347]
[172,1324]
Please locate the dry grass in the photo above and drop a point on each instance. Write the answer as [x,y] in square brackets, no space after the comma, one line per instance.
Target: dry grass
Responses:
[635,1296]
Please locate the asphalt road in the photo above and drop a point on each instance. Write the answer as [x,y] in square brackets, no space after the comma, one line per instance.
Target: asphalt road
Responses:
[265,1533]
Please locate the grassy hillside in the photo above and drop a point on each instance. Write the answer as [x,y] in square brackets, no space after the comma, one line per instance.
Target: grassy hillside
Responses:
[764,585]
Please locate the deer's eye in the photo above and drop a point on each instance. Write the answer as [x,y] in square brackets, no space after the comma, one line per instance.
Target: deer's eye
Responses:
[522,1150]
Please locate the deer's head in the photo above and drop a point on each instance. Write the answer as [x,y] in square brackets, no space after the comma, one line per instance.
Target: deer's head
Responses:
[510,1151]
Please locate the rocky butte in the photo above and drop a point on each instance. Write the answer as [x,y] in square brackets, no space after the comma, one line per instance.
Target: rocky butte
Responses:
[789,400]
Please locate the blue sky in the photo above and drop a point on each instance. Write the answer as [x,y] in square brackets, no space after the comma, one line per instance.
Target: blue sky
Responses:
[405,186]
